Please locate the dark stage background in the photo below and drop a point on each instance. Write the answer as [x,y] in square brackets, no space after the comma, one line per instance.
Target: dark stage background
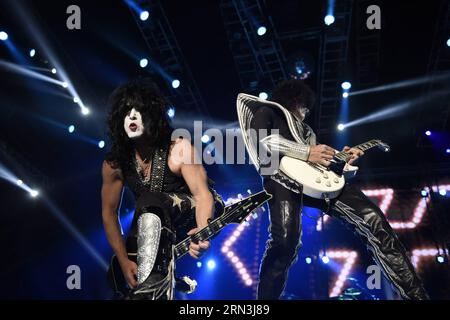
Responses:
[213,48]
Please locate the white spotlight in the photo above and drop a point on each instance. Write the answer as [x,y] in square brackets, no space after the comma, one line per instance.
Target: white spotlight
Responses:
[34,193]
[19,182]
[261,30]
[448,43]
[175,83]
[143,63]
[346,85]
[341,127]
[263,95]
[71,128]
[32,53]
[101,144]
[171,112]
[54,70]
[329,19]
[64,84]
[3,36]
[144,15]
[345,95]
[76,99]
[205,138]
[85,111]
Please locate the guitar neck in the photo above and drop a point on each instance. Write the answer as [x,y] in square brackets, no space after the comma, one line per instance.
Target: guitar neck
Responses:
[363,147]
[206,233]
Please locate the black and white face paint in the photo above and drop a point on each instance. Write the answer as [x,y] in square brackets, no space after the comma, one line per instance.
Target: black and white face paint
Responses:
[133,125]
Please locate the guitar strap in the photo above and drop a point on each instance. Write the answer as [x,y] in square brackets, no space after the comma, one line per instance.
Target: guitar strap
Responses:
[158,169]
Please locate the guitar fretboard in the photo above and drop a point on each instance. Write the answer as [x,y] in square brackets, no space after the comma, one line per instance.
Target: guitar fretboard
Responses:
[363,147]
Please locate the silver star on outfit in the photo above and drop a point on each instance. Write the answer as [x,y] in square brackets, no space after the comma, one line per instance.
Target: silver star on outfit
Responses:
[176,201]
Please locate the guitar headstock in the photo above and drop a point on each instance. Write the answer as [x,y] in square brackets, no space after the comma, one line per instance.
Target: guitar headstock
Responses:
[383,146]
[237,212]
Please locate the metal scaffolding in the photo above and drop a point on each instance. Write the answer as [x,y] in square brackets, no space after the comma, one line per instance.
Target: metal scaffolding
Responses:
[259,60]
[333,58]
[166,54]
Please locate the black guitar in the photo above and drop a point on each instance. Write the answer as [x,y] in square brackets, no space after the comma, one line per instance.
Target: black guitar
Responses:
[234,213]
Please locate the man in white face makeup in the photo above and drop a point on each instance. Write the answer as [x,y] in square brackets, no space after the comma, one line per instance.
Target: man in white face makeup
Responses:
[171,192]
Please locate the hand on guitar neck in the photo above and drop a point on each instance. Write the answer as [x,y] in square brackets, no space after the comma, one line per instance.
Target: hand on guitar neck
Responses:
[323,154]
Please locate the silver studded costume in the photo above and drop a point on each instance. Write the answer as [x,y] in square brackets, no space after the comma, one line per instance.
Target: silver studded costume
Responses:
[294,138]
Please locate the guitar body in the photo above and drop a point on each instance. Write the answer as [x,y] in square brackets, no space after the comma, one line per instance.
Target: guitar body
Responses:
[318,181]
[322,182]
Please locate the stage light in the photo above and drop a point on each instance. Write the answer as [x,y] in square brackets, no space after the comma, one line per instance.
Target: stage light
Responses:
[64,84]
[442,192]
[34,193]
[440,258]
[428,133]
[32,53]
[448,150]
[101,144]
[211,264]
[144,15]
[308,260]
[346,85]
[448,43]
[263,95]
[261,31]
[329,19]
[341,127]
[424,193]
[19,182]
[345,95]
[205,138]
[325,259]
[171,112]
[85,111]
[199,264]
[175,83]
[3,36]
[54,70]
[76,99]
[71,128]
[143,63]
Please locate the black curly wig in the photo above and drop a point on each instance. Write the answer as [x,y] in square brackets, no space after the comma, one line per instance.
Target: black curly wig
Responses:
[293,93]
[144,96]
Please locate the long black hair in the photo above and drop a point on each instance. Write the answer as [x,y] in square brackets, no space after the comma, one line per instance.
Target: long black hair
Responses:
[144,96]
[293,93]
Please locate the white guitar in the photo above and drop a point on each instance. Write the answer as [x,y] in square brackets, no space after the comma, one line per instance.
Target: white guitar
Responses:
[322,182]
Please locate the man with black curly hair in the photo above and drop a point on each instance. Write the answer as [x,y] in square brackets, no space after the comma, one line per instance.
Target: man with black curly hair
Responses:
[167,180]
[284,115]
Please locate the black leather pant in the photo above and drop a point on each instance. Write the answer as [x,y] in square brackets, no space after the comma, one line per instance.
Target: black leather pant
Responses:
[357,212]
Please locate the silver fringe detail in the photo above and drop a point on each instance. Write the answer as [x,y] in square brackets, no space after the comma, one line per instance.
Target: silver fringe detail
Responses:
[373,243]
[149,233]
[285,147]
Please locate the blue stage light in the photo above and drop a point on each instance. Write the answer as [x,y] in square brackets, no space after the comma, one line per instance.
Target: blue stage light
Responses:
[346,85]
[329,19]
[424,193]
[325,259]
[32,53]
[447,151]
[211,264]
[34,193]
[143,63]
[19,182]
[71,128]
[341,127]
[54,70]
[448,43]
[205,138]
[85,111]
[261,30]
[144,15]
[175,83]
[171,112]
[440,259]
[263,95]
[101,144]
[345,95]
[442,192]
[308,260]
[199,264]
[3,36]
[428,133]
